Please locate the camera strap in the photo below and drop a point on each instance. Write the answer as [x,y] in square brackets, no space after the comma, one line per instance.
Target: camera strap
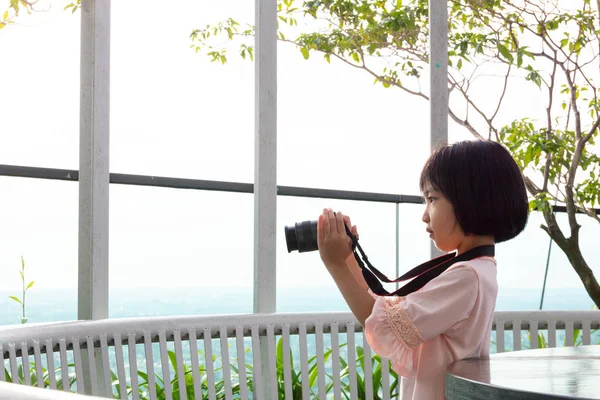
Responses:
[422,274]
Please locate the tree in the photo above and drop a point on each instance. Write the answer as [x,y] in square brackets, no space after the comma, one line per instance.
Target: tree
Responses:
[550,44]
[15,7]
[13,10]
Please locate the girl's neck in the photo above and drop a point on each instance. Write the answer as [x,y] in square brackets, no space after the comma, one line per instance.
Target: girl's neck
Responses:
[470,242]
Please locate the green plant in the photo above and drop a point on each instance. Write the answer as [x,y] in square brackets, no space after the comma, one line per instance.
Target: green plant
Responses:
[377,377]
[24,290]
[34,377]
[143,386]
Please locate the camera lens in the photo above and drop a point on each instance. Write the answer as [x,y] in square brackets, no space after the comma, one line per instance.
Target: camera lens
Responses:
[302,236]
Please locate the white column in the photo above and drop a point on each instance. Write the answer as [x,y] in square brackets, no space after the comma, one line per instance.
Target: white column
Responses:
[265,157]
[438,66]
[265,171]
[93,159]
[94,172]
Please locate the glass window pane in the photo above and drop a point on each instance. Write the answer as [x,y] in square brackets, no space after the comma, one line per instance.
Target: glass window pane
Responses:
[173,112]
[39,222]
[40,92]
[338,130]
[179,252]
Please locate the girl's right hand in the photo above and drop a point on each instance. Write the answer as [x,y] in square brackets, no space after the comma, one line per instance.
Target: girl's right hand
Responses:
[335,247]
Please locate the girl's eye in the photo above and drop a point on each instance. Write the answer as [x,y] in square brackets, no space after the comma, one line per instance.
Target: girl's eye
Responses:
[431,199]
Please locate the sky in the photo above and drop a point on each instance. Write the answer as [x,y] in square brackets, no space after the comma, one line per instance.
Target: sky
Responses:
[173,113]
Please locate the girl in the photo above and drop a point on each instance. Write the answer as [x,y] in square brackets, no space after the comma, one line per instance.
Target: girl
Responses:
[475,196]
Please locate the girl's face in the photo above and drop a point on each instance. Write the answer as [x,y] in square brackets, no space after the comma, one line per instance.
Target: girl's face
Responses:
[442,226]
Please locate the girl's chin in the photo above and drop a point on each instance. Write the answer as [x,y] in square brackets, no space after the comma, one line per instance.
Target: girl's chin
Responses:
[442,247]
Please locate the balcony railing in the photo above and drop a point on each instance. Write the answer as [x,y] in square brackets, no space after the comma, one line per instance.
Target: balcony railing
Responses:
[261,356]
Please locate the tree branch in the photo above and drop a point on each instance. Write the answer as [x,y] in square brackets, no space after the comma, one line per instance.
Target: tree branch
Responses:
[476,108]
[503,92]
[595,127]
[549,126]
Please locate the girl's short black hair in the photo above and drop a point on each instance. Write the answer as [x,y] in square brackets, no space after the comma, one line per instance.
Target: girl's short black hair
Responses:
[484,185]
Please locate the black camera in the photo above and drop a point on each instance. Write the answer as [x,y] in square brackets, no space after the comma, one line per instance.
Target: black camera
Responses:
[302,236]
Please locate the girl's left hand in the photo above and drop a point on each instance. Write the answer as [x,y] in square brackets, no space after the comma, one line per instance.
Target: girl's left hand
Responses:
[334,244]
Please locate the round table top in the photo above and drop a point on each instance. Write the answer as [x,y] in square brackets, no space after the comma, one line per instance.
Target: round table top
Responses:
[557,373]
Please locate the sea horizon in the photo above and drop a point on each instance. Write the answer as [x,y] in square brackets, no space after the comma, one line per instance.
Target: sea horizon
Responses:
[60,304]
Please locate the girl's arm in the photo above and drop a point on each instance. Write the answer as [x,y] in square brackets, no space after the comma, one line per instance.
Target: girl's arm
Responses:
[358,299]
[357,272]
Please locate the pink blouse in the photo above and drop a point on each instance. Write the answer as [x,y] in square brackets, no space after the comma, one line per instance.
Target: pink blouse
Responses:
[449,319]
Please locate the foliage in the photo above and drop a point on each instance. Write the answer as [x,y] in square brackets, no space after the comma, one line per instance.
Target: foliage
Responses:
[220,383]
[15,7]
[73,6]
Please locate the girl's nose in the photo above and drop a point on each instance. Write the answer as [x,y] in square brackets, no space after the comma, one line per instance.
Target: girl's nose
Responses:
[425,217]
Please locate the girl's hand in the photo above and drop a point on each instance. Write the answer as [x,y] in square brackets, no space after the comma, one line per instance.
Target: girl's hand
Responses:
[335,247]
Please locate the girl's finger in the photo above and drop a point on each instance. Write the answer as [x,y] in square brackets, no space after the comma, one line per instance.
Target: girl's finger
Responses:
[326,224]
[331,220]
[354,231]
[320,234]
[347,220]
[340,222]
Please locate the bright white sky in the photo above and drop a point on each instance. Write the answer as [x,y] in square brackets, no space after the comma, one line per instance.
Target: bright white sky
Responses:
[173,113]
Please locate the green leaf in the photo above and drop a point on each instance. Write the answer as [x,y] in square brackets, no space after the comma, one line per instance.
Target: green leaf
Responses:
[459,63]
[5,15]
[30,285]
[15,5]
[542,344]
[505,52]
[304,52]
[2,25]
[16,299]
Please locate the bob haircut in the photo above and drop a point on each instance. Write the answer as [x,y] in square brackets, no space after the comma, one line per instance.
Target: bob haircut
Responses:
[484,185]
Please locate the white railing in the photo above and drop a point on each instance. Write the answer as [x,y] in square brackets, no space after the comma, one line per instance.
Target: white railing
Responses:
[315,354]
[18,392]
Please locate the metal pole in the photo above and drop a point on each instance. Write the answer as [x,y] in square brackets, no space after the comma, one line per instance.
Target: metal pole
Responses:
[438,67]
